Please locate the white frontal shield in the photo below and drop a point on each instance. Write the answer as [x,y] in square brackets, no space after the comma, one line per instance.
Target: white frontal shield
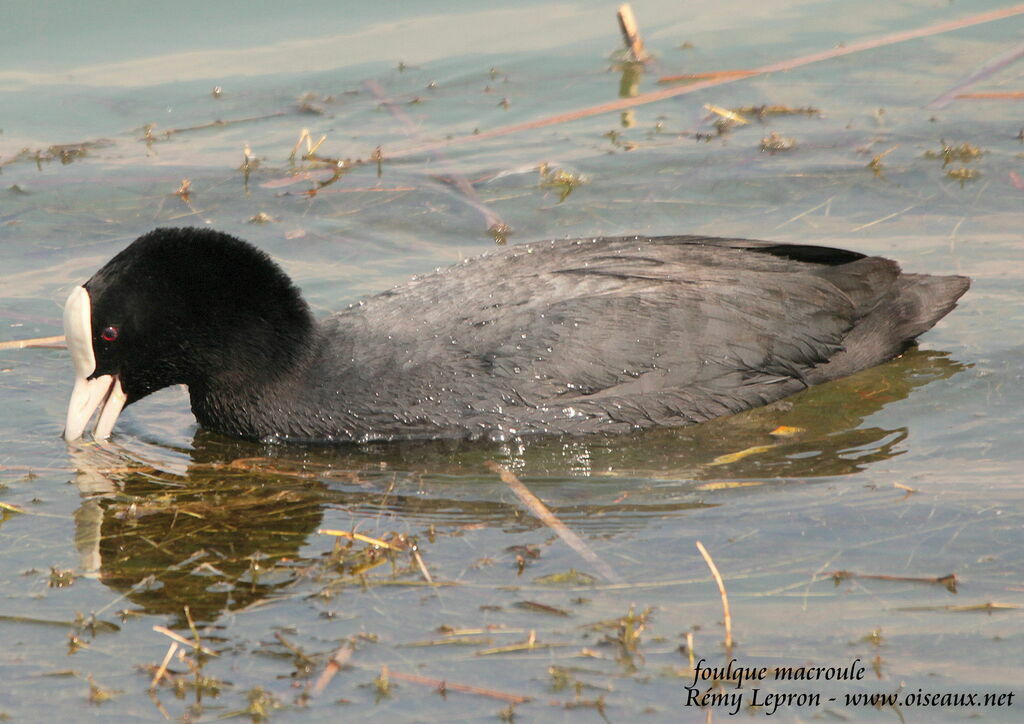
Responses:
[104,392]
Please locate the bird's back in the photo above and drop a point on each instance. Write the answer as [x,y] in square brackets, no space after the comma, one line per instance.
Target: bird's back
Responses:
[585,335]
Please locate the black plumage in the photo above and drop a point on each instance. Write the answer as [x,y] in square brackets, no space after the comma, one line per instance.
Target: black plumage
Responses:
[570,336]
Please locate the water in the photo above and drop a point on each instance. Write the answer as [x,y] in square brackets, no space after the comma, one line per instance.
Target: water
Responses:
[911,469]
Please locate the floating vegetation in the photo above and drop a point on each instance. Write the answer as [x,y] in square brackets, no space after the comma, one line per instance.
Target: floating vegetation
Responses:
[261,218]
[68,154]
[65,153]
[261,704]
[874,637]
[327,169]
[627,635]
[61,578]
[382,685]
[875,164]
[617,140]
[963,153]
[249,163]
[98,695]
[76,643]
[557,178]
[786,431]
[378,157]
[524,554]
[726,120]
[774,143]
[499,232]
[763,111]
[572,577]
[309,107]
[311,148]
[10,507]
[733,117]
[184,191]
[963,174]
[537,607]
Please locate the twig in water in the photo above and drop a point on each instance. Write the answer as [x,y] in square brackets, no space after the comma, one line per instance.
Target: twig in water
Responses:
[359,190]
[149,136]
[725,113]
[36,342]
[993,66]
[989,607]
[631,33]
[948,581]
[549,519]
[443,686]
[184,641]
[422,566]
[192,627]
[994,96]
[884,218]
[339,659]
[360,537]
[295,650]
[311,147]
[171,650]
[704,76]
[804,213]
[721,590]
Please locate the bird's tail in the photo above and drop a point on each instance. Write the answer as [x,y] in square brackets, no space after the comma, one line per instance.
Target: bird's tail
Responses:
[927,299]
[912,306]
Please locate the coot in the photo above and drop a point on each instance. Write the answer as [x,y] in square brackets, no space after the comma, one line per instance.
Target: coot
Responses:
[561,337]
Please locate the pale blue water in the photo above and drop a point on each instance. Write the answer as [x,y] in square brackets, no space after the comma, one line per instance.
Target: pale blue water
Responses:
[239,545]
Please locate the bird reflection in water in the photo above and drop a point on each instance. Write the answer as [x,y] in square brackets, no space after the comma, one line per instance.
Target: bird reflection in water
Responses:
[231,523]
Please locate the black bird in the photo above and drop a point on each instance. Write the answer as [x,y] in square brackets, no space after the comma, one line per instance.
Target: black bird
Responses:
[569,336]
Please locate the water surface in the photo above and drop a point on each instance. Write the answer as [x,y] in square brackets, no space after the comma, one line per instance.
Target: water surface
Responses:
[911,469]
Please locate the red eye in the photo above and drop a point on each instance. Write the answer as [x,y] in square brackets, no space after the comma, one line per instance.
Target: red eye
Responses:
[109,334]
